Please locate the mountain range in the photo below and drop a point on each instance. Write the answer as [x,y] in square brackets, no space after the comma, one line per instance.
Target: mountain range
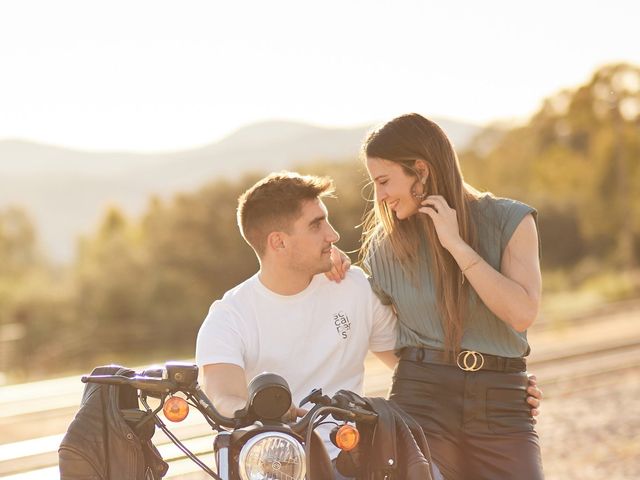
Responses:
[65,190]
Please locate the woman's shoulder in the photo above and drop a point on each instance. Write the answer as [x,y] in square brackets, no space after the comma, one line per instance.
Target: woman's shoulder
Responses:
[488,199]
[501,210]
[498,217]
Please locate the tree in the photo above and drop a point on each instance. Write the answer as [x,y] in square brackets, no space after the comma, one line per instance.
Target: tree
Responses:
[109,279]
[578,158]
[18,243]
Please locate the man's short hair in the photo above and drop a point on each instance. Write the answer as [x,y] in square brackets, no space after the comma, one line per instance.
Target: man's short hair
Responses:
[275,202]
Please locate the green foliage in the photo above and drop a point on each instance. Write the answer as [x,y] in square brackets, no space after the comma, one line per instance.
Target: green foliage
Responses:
[36,310]
[578,162]
[108,272]
[18,246]
[195,253]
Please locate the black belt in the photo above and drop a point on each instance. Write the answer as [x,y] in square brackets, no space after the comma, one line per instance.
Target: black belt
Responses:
[467,360]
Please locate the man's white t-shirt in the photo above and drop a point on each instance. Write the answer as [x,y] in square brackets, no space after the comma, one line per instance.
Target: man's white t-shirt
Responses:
[317,338]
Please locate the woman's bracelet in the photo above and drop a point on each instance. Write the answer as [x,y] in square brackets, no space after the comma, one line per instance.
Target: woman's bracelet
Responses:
[472,264]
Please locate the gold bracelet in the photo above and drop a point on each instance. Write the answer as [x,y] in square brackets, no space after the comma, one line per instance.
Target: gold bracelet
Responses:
[472,264]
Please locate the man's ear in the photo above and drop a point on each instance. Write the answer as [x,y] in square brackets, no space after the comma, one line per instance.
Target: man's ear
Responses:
[276,241]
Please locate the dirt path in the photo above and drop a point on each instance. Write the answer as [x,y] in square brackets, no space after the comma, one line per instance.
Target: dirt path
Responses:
[593,435]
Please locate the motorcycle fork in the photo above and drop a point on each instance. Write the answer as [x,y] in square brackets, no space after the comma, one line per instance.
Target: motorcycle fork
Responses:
[221,448]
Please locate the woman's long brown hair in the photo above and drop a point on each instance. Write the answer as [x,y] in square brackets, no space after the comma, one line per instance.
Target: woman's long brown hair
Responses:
[404,140]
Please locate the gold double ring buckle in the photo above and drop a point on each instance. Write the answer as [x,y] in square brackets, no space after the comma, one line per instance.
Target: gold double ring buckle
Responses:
[470,361]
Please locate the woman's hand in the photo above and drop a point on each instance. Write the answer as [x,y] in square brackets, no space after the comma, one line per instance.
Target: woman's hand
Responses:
[445,220]
[341,264]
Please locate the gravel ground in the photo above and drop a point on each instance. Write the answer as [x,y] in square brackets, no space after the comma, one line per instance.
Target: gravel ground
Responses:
[594,433]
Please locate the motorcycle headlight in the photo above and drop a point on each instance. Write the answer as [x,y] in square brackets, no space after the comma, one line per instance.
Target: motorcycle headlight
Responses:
[272,456]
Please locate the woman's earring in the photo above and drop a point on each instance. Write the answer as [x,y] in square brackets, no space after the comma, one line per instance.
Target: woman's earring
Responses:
[423,195]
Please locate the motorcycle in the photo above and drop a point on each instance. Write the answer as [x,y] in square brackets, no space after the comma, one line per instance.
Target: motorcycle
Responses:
[255,443]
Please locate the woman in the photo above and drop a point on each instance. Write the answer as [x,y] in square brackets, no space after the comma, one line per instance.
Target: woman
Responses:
[462,271]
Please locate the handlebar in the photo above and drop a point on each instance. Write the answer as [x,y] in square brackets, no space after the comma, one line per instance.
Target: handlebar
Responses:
[164,385]
[181,378]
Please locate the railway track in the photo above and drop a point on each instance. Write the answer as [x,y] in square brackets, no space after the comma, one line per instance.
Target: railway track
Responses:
[29,435]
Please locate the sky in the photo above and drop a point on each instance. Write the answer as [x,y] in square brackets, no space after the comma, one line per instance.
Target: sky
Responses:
[139,75]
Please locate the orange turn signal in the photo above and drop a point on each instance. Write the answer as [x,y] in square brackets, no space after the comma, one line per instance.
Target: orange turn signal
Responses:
[176,409]
[347,437]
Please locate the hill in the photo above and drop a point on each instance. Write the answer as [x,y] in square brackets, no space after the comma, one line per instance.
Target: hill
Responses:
[65,190]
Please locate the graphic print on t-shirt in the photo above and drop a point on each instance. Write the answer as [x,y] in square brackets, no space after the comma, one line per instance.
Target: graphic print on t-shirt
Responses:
[342,323]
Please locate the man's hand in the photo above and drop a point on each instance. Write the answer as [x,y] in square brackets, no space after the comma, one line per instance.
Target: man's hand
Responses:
[293,414]
[534,397]
[341,264]
[388,357]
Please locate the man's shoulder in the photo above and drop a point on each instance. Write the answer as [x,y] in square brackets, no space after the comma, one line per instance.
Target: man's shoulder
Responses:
[235,301]
[353,275]
[355,280]
[357,275]
[240,291]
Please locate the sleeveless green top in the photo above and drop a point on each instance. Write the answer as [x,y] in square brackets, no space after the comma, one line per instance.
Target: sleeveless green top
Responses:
[415,303]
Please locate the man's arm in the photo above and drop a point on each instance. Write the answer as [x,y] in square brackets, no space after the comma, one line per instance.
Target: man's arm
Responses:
[226,386]
[534,395]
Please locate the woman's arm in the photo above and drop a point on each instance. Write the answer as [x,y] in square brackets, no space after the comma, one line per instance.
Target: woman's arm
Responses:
[513,293]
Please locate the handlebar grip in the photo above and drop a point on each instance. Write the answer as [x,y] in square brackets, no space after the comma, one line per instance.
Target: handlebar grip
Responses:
[365,416]
[147,384]
[339,412]
[105,379]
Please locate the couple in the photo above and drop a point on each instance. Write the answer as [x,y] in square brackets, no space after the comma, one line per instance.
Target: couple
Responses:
[454,273]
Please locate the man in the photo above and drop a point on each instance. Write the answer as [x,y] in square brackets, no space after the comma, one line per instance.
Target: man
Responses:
[289,318]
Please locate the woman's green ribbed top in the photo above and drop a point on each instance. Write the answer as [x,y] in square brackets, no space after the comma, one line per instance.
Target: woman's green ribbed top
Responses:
[415,302]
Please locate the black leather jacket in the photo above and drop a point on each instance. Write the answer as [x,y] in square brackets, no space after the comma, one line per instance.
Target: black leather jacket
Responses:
[397,446]
[100,445]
